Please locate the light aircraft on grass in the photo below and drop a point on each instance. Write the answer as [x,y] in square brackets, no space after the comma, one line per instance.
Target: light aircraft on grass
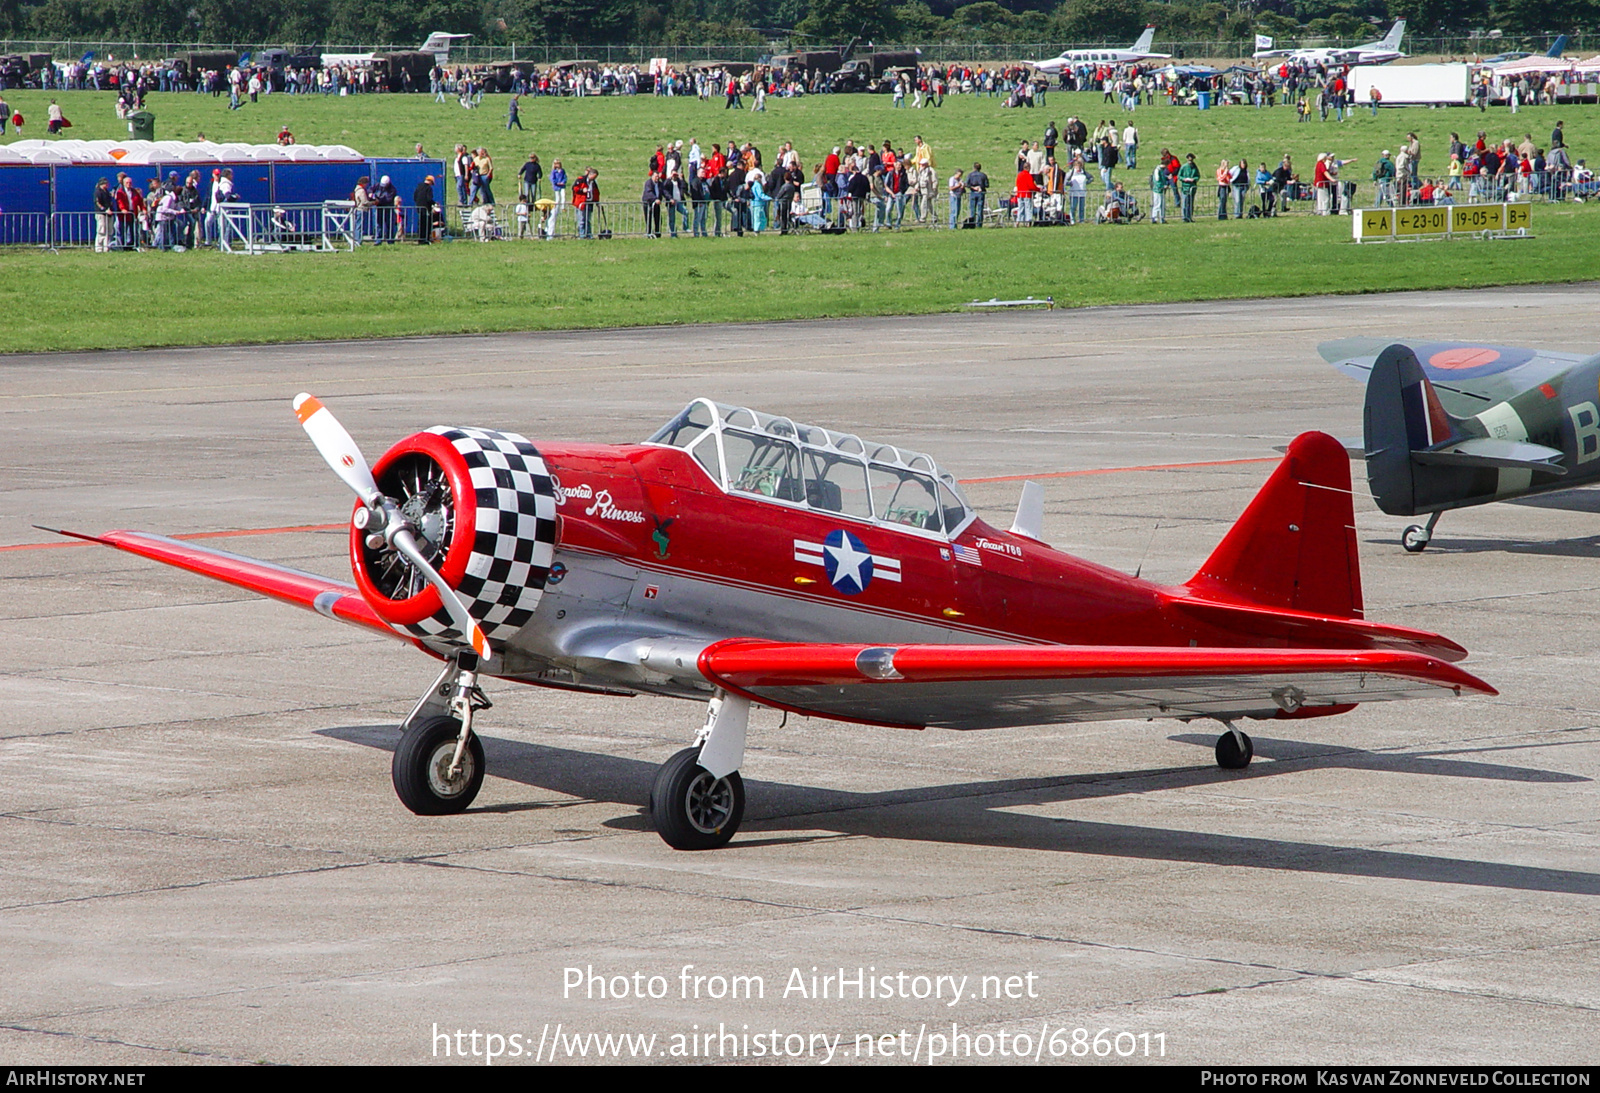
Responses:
[1450,425]
[1071,58]
[1381,52]
[438,43]
[738,558]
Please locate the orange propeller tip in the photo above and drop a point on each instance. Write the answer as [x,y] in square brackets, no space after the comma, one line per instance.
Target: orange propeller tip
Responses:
[306,405]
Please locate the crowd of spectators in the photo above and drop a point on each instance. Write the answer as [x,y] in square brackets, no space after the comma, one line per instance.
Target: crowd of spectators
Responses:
[170,215]
[1072,174]
[1483,170]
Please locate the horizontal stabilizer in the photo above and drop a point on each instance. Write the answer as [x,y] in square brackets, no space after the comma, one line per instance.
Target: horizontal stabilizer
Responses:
[989,686]
[1355,449]
[1488,451]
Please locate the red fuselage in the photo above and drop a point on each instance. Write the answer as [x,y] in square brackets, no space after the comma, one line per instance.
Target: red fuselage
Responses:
[657,509]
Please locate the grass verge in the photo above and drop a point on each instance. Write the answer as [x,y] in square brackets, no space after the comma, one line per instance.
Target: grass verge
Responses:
[77,300]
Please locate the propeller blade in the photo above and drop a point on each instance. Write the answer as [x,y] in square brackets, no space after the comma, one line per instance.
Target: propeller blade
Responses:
[337,448]
[406,544]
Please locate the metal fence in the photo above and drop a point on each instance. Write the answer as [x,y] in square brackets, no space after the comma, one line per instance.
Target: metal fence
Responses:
[940,52]
[326,226]
[338,226]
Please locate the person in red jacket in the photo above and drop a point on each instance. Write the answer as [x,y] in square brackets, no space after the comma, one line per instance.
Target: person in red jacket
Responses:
[1027,192]
[130,205]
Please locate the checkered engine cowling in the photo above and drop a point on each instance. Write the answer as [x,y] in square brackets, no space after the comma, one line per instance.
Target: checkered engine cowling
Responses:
[514,535]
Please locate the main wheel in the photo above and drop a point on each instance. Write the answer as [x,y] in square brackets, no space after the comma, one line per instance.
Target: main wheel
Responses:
[421,768]
[1415,539]
[1229,755]
[691,809]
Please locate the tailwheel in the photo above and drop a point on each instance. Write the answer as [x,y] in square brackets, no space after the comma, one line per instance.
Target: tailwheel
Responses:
[422,768]
[1234,750]
[1416,538]
[693,809]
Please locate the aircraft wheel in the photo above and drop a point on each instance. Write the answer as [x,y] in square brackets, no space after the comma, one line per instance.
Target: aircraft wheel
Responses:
[1415,539]
[691,809]
[1229,755]
[421,768]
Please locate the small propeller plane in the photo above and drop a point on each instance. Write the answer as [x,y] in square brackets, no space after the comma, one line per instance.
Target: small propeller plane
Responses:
[1450,425]
[1381,52]
[739,558]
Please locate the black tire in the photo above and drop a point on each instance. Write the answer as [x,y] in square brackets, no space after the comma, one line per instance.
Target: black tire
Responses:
[1229,757]
[692,810]
[422,760]
[1414,539]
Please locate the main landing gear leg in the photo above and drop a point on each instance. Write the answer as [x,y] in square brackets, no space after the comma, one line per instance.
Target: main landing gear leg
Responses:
[697,799]
[438,766]
[1234,749]
[1416,537]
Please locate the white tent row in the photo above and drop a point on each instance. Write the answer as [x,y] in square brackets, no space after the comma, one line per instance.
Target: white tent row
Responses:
[138,152]
[1554,66]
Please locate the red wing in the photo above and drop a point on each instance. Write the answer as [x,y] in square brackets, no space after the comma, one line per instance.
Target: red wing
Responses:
[990,686]
[334,599]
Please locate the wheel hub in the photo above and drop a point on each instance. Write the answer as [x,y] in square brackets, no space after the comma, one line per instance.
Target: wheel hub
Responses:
[439,779]
[709,803]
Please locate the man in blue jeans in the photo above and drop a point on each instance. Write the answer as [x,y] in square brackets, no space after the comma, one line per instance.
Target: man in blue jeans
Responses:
[957,187]
[978,188]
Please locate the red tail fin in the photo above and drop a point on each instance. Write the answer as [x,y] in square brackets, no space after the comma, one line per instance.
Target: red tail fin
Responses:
[1295,546]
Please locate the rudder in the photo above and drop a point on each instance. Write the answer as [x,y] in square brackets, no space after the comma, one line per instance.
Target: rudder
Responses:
[1295,545]
[1403,415]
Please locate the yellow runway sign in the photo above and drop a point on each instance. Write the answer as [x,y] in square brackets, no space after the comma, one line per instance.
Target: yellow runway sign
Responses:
[1416,221]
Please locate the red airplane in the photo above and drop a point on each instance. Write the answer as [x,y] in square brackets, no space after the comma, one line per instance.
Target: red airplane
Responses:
[736,558]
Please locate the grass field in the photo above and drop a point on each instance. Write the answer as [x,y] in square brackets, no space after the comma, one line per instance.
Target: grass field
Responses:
[77,300]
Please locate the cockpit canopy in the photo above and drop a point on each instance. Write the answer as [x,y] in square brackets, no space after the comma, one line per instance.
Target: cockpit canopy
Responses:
[760,455]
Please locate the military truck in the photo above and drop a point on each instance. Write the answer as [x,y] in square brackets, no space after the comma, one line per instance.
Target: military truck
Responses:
[866,73]
[806,61]
[404,69]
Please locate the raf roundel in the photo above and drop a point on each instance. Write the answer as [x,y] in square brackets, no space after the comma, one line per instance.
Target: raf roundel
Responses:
[847,561]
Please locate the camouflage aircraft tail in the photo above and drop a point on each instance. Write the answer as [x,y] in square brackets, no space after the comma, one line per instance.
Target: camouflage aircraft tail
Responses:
[1420,458]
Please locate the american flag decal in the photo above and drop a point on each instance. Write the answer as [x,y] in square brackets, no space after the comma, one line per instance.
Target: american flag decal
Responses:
[967,554]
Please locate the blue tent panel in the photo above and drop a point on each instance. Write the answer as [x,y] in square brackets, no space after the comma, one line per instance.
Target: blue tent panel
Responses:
[75,185]
[24,188]
[313,183]
[406,173]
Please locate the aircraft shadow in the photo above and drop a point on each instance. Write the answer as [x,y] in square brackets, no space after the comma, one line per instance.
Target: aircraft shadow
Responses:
[1586,547]
[972,813]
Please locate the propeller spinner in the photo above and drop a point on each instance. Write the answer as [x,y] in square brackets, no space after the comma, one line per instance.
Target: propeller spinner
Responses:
[381,518]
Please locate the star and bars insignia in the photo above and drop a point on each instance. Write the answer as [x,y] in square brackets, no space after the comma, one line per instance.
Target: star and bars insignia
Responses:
[850,566]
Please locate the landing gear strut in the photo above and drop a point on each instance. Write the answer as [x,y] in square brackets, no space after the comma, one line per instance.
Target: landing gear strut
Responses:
[1416,538]
[697,799]
[438,766]
[1234,749]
